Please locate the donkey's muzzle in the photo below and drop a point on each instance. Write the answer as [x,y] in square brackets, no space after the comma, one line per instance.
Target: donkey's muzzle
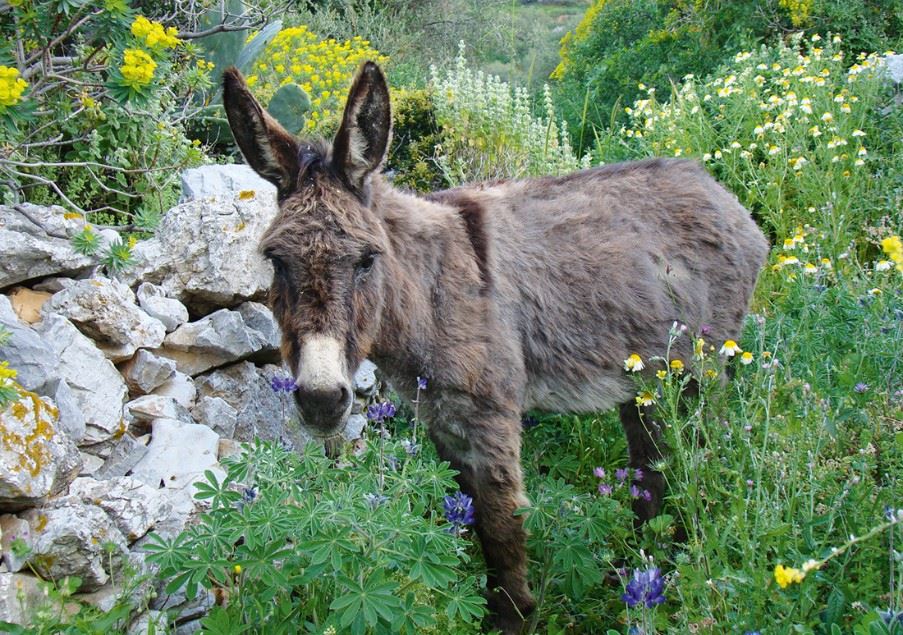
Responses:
[324,408]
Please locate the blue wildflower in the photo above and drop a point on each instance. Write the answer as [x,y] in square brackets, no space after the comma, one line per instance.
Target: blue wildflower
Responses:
[646,588]
[861,387]
[621,474]
[379,412]
[529,422]
[280,384]
[459,511]
[421,383]
[375,500]
[890,616]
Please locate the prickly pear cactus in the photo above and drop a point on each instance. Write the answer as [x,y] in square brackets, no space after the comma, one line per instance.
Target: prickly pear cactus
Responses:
[289,106]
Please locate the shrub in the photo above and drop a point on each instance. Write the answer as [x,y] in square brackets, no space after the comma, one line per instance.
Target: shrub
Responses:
[490,132]
[621,43]
[295,543]
[415,136]
[323,68]
[794,135]
[93,102]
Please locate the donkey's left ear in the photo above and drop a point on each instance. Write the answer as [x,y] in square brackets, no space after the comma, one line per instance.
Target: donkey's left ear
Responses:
[361,143]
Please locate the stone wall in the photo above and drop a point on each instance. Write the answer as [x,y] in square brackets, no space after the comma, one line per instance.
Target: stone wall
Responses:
[130,388]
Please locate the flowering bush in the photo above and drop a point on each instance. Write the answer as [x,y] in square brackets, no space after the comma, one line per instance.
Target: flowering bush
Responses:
[490,132]
[322,67]
[292,539]
[790,131]
[92,108]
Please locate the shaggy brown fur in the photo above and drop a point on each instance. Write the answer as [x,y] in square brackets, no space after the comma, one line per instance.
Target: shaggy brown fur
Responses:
[507,296]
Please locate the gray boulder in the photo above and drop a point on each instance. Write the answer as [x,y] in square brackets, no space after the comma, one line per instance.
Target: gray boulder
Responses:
[70,538]
[96,386]
[14,529]
[181,388]
[204,251]
[220,338]
[894,68]
[21,597]
[177,457]
[149,407]
[36,461]
[26,351]
[261,413]
[123,456]
[145,372]
[36,241]
[133,506]
[169,311]
[364,381]
[105,311]
[217,414]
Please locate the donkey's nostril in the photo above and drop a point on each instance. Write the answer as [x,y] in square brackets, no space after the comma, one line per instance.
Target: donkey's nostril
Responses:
[323,402]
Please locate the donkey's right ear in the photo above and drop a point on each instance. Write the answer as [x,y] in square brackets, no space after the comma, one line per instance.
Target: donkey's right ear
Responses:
[266,145]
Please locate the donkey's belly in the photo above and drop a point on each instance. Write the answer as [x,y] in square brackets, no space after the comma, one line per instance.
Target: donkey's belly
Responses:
[595,395]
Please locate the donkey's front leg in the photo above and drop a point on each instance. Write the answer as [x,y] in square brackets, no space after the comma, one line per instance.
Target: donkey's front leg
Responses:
[488,461]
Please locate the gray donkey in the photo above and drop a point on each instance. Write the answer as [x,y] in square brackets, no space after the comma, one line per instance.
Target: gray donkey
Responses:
[508,296]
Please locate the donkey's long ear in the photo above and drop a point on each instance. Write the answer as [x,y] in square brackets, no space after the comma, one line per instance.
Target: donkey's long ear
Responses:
[362,140]
[267,146]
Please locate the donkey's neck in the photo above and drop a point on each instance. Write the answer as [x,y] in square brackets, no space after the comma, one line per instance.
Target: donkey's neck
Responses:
[434,285]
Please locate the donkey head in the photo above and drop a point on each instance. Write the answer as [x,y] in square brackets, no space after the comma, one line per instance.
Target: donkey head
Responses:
[326,242]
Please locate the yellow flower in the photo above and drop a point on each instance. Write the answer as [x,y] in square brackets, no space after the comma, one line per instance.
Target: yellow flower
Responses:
[661,374]
[133,240]
[699,347]
[154,34]
[6,373]
[634,364]
[11,87]
[746,358]
[785,576]
[677,366]
[237,569]
[137,68]
[645,398]
[730,348]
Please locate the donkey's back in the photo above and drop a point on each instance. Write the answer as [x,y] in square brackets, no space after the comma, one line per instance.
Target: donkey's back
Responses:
[594,266]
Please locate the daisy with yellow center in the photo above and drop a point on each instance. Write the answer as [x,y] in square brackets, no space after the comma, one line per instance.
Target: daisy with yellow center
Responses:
[645,398]
[746,358]
[634,364]
[730,348]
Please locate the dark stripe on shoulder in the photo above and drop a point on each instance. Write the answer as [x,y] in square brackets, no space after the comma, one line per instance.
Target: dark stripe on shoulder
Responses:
[472,213]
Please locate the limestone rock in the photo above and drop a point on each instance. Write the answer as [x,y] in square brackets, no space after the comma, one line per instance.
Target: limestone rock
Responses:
[169,311]
[14,529]
[204,251]
[149,622]
[220,338]
[105,311]
[96,386]
[21,597]
[364,381]
[134,507]
[181,388]
[146,371]
[35,459]
[176,458]
[894,66]
[216,413]
[90,464]
[150,407]
[27,303]
[123,456]
[71,539]
[26,350]
[36,241]
[261,412]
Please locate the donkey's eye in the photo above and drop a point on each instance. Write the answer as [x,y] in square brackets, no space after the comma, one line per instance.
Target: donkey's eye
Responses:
[365,264]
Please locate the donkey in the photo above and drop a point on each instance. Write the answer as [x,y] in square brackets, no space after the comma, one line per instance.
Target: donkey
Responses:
[508,296]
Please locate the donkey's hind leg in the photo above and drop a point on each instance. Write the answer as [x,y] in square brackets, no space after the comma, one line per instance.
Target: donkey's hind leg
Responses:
[645,448]
[490,472]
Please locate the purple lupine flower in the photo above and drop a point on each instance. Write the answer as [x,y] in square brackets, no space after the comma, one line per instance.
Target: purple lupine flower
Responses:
[379,412]
[638,475]
[410,447]
[421,383]
[647,495]
[599,472]
[283,384]
[375,500]
[861,387]
[646,588]
[634,491]
[459,511]
[621,474]
[605,489]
